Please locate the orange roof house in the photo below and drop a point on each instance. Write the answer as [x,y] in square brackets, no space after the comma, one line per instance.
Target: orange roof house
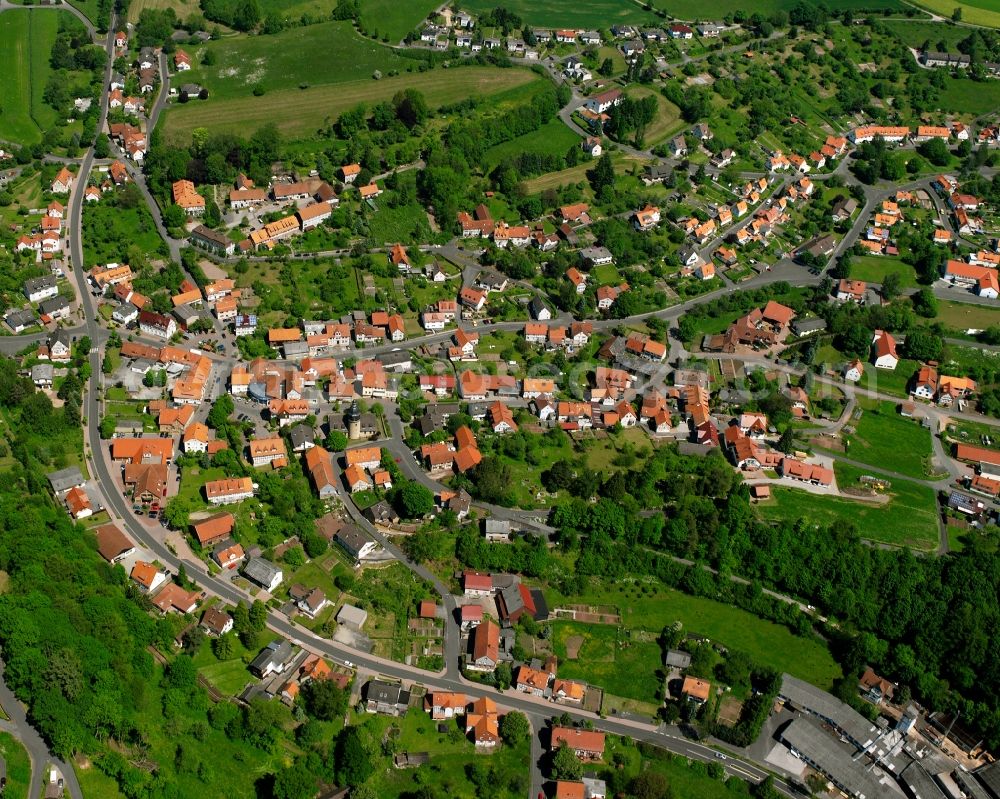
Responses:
[696,689]
[585,743]
[213,528]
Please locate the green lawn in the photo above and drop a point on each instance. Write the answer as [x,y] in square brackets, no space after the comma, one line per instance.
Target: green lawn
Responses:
[963,316]
[909,519]
[301,112]
[392,19]
[874,268]
[26,39]
[889,441]
[553,138]
[765,642]
[18,766]
[559,14]
[229,676]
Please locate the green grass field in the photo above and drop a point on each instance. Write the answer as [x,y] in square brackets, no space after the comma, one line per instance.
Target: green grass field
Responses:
[289,60]
[593,14]
[301,112]
[874,268]
[405,224]
[978,12]
[767,643]
[26,39]
[889,441]
[914,33]
[552,138]
[18,766]
[963,316]
[889,381]
[620,666]
[394,19]
[668,116]
[692,9]
[969,98]
[909,519]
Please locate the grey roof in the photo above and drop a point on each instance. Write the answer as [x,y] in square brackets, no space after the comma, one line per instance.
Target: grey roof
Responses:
[537,306]
[352,538]
[42,371]
[379,512]
[396,359]
[969,785]
[261,571]
[496,526]
[348,614]
[53,304]
[386,693]
[678,659]
[808,325]
[595,253]
[829,756]
[187,314]
[60,337]
[808,697]
[296,349]
[302,434]
[512,600]
[20,317]
[276,652]
[920,783]
[989,776]
[65,479]
[35,283]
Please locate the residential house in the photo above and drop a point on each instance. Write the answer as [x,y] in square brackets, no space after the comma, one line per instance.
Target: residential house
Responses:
[585,744]
[263,573]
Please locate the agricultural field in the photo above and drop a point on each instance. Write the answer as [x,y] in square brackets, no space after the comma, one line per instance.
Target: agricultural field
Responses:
[652,608]
[874,268]
[552,138]
[183,8]
[976,12]
[594,14]
[301,112]
[908,519]
[26,38]
[392,20]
